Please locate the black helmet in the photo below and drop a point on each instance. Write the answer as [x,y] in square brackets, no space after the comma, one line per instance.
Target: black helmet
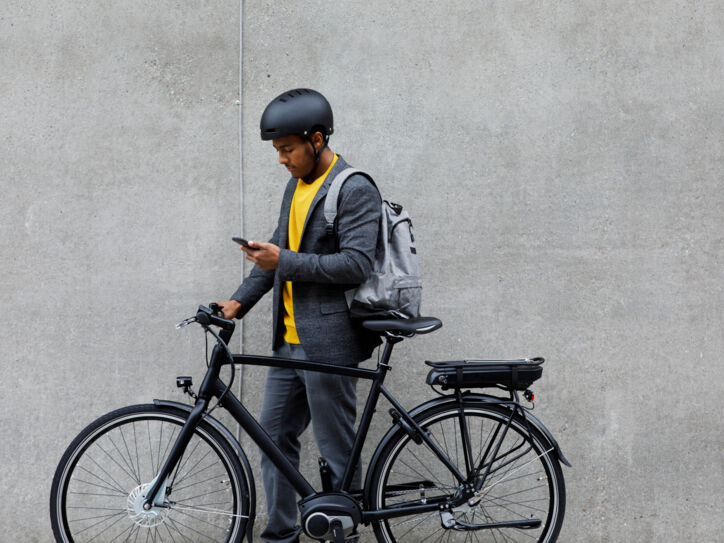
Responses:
[297,112]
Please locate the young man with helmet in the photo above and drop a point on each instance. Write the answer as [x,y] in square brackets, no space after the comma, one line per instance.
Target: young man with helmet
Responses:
[309,271]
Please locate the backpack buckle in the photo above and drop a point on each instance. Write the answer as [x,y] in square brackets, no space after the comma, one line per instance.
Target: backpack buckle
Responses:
[397,208]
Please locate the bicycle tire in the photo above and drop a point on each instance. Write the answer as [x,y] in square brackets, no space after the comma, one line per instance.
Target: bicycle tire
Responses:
[96,487]
[407,473]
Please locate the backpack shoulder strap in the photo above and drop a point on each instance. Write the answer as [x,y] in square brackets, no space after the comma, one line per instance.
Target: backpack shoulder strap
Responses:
[330,202]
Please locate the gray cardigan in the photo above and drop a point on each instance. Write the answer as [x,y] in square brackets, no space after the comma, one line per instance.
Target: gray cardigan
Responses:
[321,271]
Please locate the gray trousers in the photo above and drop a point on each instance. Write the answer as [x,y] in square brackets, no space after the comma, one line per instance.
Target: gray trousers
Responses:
[291,399]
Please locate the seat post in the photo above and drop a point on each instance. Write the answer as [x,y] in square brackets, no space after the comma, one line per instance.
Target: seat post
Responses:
[369,410]
[387,352]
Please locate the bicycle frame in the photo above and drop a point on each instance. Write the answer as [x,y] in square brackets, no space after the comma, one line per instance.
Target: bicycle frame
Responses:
[212,386]
[440,463]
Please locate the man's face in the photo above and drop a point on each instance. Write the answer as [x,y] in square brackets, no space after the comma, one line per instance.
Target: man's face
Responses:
[295,154]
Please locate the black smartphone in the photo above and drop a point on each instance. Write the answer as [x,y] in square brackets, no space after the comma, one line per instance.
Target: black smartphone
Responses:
[242,241]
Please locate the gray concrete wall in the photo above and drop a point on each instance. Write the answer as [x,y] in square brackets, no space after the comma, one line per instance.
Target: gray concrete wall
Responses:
[119,166]
[562,162]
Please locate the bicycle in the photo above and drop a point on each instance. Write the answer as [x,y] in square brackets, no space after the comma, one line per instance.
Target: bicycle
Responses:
[463,466]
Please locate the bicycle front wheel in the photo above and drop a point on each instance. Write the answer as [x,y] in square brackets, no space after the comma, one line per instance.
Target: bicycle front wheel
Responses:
[522,498]
[98,488]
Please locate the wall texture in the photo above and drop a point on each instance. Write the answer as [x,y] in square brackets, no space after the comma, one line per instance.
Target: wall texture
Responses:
[562,162]
[119,166]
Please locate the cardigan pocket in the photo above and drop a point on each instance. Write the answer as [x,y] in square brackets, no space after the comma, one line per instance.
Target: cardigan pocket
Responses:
[333,305]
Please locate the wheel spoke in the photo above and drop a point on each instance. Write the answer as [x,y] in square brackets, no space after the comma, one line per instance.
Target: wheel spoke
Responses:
[118,488]
[199,519]
[524,483]
[122,468]
[133,473]
[99,485]
[176,521]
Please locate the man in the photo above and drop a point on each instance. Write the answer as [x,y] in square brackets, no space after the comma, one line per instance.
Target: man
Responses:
[309,271]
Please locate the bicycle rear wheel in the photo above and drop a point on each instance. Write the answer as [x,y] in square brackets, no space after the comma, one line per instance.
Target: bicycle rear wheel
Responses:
[98,488]
[525,484]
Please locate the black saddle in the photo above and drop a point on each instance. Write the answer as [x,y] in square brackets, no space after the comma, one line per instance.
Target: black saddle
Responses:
[403,327]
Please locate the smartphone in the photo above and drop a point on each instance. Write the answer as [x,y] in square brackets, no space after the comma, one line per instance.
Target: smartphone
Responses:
[242,241]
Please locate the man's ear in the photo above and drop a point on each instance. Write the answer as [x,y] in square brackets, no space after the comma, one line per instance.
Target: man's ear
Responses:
[317,140]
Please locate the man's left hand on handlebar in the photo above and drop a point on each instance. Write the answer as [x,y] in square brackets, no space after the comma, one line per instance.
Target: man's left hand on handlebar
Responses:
[229,308]
[265,255]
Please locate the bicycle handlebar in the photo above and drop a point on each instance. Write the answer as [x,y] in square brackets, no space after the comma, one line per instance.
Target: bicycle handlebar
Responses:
[208,315]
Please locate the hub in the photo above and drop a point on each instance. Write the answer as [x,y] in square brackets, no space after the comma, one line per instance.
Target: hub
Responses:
[145,518]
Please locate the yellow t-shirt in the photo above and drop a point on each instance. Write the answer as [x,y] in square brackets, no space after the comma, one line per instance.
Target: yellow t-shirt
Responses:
[303,196]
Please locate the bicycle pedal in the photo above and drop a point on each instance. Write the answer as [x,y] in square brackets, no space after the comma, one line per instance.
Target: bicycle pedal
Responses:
[337,531]
[350,539]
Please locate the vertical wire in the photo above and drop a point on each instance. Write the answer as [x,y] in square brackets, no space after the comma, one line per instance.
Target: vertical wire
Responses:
[240,326]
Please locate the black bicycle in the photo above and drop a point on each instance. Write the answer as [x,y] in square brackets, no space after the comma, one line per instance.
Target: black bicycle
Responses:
[464,466]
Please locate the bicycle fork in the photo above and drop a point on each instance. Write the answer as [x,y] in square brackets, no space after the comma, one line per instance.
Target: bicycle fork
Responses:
[156,495]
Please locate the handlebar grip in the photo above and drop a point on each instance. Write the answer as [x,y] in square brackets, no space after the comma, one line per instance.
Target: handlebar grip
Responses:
[226,324]
[206,316]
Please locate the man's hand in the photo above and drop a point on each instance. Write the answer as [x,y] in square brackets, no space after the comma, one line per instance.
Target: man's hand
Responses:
[266,256]
[230,308]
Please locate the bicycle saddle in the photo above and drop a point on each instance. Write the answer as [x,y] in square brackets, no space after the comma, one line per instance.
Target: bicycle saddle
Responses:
[418,325]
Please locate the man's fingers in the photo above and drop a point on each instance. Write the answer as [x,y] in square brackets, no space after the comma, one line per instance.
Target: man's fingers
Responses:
[264,255]
[261,244]
[253,258]
[256,247]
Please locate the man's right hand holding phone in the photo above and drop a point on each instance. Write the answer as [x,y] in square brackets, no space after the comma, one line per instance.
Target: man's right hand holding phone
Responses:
[264,255]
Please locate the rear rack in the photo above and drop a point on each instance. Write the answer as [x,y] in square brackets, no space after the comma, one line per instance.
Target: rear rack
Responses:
[517,374]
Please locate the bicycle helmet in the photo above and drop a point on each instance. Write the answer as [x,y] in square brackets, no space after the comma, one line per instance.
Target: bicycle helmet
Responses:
[297,112]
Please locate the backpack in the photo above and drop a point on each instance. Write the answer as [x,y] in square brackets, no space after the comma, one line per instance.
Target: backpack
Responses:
[394,289]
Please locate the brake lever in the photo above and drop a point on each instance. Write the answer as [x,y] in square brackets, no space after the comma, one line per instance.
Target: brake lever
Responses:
[186,322]
[207,316]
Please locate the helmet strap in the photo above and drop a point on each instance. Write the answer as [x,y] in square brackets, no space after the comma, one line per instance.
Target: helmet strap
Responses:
[317,156]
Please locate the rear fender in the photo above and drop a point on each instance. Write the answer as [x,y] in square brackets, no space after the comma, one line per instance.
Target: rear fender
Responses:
[485,398]
[471,397]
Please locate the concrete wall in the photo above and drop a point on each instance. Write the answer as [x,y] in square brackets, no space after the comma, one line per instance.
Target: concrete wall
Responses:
[562,162]
[119,166]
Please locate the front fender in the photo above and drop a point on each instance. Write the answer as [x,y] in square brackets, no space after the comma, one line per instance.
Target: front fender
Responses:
[224,431]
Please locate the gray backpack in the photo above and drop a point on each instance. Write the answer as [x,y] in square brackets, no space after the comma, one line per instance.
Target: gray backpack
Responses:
[394,290]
